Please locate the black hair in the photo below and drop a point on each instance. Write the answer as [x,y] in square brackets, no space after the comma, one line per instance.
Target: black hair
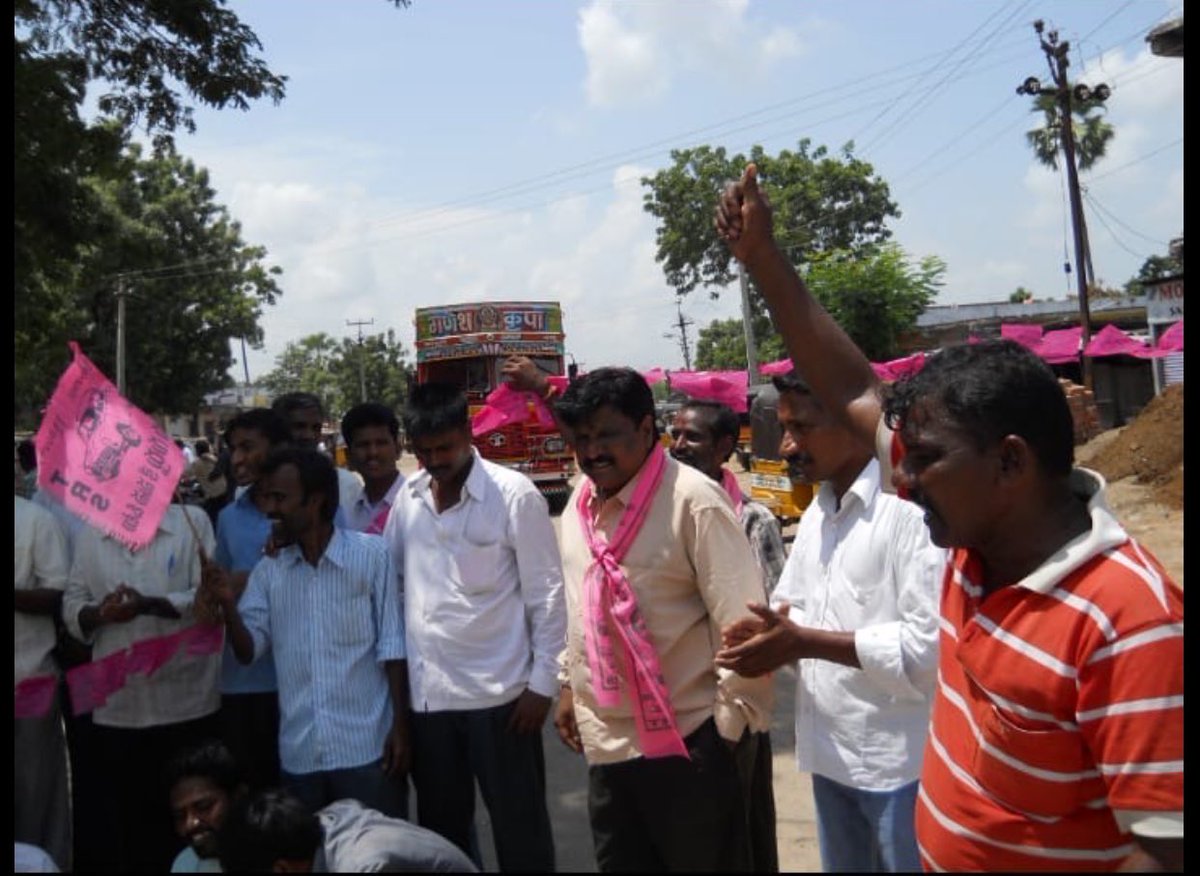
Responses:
[434,408]
[267,422]
[317,475]
[209,760]
[719,418]
[989,390]
[791,382]
[369,414]
[297,401]
[27,455]
[266,827]
[202,447]
[622,389]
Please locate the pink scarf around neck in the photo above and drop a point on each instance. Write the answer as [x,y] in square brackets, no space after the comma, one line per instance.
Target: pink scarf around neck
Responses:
[618,644]
[729,482]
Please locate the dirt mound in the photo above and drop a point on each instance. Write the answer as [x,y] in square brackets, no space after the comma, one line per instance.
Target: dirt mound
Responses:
[1149,448]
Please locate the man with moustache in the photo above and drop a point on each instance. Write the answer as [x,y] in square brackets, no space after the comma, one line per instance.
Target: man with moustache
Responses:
[325,605]
[372,435]
[482,588]
[655,563]
[861,583]
[1056,733]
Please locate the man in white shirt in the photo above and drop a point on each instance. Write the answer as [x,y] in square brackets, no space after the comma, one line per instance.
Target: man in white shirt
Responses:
[485,620]
[42,812]
[115,598]
[862,585]
[372,435]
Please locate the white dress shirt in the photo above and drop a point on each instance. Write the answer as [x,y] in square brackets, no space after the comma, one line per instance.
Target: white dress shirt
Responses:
[39,561]
[361,512]
[485,615]
[866,567]
[185,688]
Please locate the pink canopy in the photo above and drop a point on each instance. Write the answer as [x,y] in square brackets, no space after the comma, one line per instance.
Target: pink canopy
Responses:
[727,387]
[654,375]
[1111,341]
[1061,345]
[1172,339]
[1024,334]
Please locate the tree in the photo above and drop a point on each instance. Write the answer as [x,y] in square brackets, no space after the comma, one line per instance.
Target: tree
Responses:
[1156,267]
[1091,133]
[1020,295]
[330,369]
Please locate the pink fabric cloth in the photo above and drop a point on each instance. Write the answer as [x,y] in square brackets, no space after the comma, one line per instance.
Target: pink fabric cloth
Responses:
[1024,334]
[378,522]
[654,375]
[505,405]
[104,459]
[618,644]
[1171,341]
[91,684]
[1111,341]
[1060,345]
[779,366]
[729,482]
[33,697]
[727,387]
[150,655]
[897,368]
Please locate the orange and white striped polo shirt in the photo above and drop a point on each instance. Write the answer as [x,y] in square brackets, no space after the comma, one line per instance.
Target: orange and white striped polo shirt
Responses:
[1057,724]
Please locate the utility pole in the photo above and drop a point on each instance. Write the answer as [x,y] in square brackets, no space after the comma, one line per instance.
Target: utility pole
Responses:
[748,326]
[683,324]
[121,295]
[362,374]
[1056,58]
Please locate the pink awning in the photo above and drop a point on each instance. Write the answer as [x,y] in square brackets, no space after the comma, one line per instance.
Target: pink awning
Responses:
[1111,341]
[1060,345]
[1024,334]
[1171,340]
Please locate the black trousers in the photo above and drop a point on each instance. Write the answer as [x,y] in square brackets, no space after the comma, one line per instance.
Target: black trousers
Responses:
[250,730]
[671,814]
[453,750]
[140,836]
[754,765]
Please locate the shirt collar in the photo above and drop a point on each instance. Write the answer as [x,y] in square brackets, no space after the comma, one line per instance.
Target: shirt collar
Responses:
[389,498]
[1105,534]
[337,551]
[475,485]
[623,495]
[865,489]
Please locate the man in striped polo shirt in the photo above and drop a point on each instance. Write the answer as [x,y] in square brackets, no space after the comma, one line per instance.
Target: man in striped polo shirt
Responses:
[1056,739]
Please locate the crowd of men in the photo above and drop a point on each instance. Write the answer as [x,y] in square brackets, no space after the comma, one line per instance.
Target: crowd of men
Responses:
[989,670]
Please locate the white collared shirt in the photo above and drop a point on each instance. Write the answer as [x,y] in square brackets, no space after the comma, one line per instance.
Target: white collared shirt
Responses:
[184,688]
[361,512]
[866,567]
[485,615]
[39,561]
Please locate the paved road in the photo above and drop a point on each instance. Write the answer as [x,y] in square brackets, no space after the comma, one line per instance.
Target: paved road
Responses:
[566,791]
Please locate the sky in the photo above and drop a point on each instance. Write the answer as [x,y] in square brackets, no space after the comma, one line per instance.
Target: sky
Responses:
[463,150]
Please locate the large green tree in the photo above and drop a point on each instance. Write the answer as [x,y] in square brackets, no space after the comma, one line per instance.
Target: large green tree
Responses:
[330,369]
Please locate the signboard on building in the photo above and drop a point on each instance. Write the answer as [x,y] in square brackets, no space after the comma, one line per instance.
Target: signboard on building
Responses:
[1164,301]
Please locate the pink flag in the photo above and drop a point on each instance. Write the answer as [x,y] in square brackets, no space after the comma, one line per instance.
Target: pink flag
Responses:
[103,458]
[727,387]
[779,366]
[505,405]
[32,697]
[1172,339]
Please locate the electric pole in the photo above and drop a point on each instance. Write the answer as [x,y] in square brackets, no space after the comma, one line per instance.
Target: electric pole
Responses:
[683,324]
[362,374]
[121,294]
[748,326]
[1056,58]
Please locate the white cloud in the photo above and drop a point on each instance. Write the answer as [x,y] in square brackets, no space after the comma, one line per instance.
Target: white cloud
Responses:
[636,51]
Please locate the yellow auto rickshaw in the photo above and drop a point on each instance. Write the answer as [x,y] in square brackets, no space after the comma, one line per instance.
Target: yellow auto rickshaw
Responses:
[770,484]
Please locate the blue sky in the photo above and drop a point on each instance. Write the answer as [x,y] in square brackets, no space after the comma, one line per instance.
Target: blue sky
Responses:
[490,149]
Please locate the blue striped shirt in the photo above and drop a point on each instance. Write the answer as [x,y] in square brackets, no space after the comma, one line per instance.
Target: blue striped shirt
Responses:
[242,532]
[330,627]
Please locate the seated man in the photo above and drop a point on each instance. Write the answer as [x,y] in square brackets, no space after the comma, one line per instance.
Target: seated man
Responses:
[273,831]
[204,781]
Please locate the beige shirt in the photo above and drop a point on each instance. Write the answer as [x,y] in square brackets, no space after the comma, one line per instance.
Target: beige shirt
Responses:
[692,572]
[39,561]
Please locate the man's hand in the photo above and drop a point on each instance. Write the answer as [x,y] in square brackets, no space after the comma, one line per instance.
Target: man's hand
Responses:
[217,596]
[774,645]
[397,751]
[743,217]
[120,606]
[746,628]
[523,375]
[530,713]
[564,721]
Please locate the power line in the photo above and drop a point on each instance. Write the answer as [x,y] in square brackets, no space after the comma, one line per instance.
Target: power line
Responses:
[1112,233]
[1137,160]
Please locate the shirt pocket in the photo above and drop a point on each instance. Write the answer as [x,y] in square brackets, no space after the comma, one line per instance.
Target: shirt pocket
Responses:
[479,567]
[352,619]
[1033,770]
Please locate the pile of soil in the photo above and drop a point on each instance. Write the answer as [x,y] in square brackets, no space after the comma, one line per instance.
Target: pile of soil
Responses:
[1149,448]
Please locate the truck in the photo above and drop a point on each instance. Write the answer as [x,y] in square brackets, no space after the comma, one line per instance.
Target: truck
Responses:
[466,345]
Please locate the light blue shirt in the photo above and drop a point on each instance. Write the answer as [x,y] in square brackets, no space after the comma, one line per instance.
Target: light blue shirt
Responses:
[188,861]
[331,628]
[242,532]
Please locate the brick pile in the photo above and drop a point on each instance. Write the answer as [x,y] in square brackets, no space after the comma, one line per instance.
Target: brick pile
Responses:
[1084,413]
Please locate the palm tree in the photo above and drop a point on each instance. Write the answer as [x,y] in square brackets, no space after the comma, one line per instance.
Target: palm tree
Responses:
[1092,134]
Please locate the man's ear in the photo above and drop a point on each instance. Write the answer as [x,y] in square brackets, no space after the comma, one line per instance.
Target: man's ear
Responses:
[724,447]
[1016,457]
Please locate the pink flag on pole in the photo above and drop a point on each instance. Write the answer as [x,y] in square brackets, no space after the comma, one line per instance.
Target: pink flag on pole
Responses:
[32,697]
[103,458]
[505,405]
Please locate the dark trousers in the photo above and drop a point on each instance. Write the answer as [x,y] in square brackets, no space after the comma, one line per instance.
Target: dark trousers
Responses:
[453,750]
[250,730]
[754,765]
[140,835]
[666,814]
[41,799]
[368,784]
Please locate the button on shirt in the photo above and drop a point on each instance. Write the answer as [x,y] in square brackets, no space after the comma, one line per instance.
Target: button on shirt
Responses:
[242,532]
[185,688]
[363,514]
[39,561]
[483,594]
[331,628]
[868,567]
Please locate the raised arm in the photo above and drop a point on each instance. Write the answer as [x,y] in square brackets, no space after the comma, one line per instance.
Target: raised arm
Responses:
[823,354]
